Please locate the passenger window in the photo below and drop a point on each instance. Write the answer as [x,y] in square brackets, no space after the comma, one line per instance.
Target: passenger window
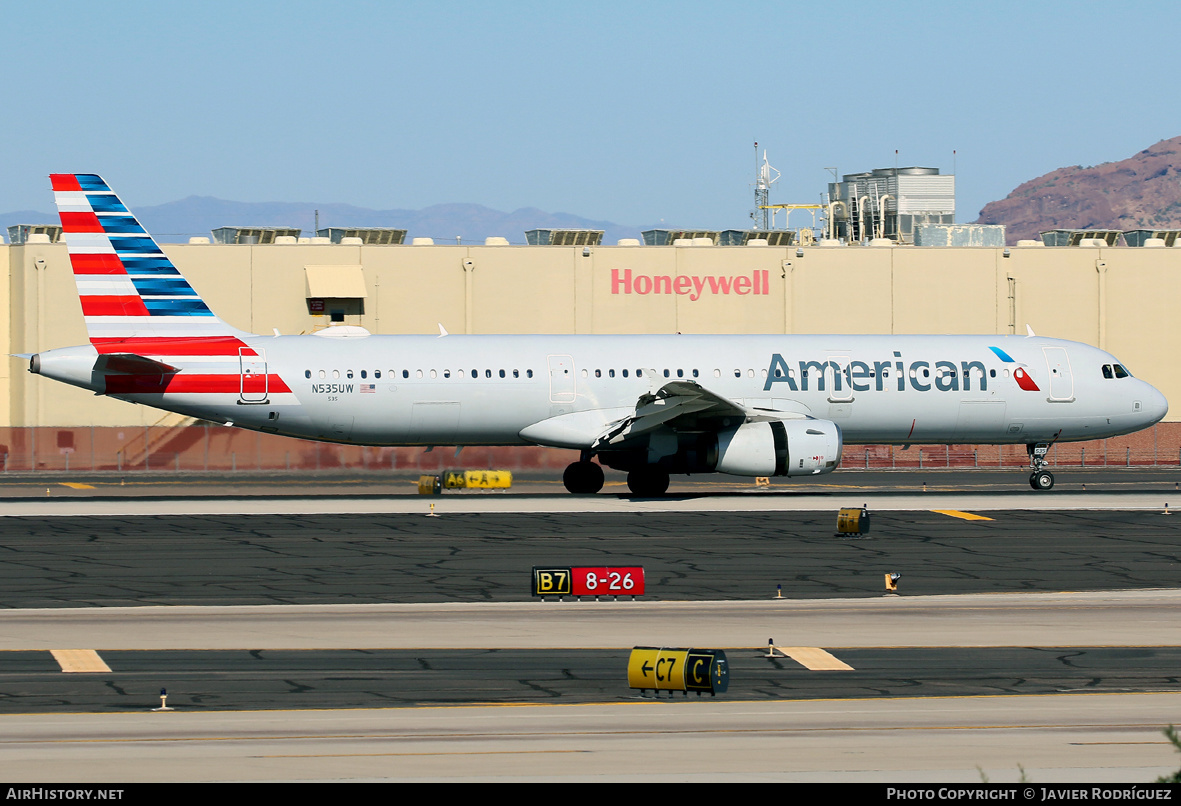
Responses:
[418,373]
[434,374]
[666,373]
[516,373]
[502,373]
[610,373]
[487,373]
[446,373]
[363,375]
[598,373]
[737,373]
[405,373]
[694,373]
[321,374]
[349,374]
[336,374]
[307,373]
[625,373]
[528,373]
[377,373]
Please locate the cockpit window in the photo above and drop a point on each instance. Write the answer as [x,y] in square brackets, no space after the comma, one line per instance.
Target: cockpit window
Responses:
[1120,372]
[1107,373]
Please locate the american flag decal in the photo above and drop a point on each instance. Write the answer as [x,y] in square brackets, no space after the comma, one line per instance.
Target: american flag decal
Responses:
[368,388]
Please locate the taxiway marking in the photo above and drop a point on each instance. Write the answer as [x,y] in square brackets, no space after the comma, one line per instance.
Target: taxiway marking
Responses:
[814,658]
[955,513]
[79,660]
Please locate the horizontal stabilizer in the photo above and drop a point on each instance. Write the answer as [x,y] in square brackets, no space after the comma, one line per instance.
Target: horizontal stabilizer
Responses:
[131,364]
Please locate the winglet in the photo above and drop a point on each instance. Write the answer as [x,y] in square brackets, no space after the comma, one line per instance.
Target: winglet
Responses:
[1029,331]
[442,331]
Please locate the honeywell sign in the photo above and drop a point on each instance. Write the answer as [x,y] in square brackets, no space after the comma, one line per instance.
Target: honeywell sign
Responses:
[692,286]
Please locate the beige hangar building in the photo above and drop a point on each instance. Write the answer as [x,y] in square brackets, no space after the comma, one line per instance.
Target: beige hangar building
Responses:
[1119,298]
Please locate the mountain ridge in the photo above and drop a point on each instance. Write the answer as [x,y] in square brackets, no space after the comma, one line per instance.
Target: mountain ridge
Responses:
[1140,192]
[470,223]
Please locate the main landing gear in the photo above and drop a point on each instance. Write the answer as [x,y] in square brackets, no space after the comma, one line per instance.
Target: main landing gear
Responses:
[648,482]
[585,477]
[1040,478]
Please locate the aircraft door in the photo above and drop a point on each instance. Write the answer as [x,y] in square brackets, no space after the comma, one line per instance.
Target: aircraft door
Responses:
[1061,379]
[253,378]
[838,380]
[562,388]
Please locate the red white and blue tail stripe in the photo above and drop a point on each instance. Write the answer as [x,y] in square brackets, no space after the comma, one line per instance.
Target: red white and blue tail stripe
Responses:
[128,287]
[153,333]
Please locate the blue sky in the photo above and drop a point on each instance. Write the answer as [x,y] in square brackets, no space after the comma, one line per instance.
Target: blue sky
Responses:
[632,112]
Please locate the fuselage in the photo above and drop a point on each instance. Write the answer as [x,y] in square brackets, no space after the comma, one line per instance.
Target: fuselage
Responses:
[484,390]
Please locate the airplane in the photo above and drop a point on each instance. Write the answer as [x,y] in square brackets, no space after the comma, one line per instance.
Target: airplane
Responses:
[649,405]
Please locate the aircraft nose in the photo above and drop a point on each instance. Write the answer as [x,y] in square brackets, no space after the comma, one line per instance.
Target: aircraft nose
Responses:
[1155,405]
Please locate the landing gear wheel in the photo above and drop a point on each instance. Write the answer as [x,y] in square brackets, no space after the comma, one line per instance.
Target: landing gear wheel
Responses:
[648,483]
[1041,480]
[584,478]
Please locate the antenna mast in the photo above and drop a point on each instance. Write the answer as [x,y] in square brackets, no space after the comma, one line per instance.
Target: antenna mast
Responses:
[763,181]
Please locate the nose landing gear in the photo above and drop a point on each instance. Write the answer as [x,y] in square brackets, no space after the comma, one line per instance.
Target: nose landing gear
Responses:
[1040,478]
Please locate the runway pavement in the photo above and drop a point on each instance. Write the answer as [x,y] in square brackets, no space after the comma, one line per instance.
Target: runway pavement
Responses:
[277,597]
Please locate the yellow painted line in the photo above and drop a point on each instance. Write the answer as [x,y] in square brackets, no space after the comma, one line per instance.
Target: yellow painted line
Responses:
[77,485]
[815,658]
[79,660]
[955,513]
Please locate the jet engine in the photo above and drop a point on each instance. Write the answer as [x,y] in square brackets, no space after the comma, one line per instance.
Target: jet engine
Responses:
[780,448]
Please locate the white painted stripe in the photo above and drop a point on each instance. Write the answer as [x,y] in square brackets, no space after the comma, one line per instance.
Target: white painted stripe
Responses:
[208,362]
[71,198]
[88,242]
[100,249]
[111,327]
[197,322]
[105,285]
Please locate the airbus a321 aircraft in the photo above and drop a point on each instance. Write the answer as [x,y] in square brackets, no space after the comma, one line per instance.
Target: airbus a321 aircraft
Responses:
[648,405]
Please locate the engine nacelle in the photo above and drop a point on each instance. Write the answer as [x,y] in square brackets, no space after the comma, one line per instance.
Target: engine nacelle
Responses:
[780,448]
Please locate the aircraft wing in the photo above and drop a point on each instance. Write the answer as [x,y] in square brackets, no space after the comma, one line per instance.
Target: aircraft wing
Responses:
[682,403]
[677,404]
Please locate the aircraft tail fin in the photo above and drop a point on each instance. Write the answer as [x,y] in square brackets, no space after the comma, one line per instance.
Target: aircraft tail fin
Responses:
[129,289]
